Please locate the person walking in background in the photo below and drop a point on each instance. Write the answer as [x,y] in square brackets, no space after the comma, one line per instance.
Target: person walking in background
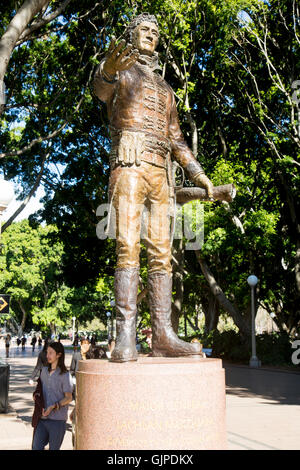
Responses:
[41,362]
[33,342]
[73,369]
[93,340]
[23,342]
[7,344]
[76,340]
[40,341]
[57,394]
[74,365]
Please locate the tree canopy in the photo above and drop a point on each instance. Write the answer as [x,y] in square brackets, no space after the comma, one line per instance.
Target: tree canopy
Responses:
[235,68]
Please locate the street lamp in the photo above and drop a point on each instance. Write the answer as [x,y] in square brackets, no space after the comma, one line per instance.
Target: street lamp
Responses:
[112,304]
[108,314]
[73,329]
[254,361]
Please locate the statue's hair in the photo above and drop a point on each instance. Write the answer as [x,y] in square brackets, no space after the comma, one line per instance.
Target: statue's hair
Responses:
[138,20]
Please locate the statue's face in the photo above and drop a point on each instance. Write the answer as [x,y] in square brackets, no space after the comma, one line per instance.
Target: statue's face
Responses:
[146,37]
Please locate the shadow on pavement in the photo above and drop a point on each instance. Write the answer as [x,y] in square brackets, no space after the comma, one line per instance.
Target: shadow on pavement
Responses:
[277,386]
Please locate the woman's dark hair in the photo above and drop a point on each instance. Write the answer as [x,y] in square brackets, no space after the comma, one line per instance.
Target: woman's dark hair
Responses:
[58,348]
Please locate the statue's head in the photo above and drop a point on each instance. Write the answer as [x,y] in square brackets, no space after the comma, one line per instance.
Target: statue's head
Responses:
[143,33]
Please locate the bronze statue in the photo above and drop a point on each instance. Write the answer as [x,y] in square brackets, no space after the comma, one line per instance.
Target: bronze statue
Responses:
[146,137]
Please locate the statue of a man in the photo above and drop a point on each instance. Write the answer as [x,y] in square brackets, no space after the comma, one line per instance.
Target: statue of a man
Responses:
[146,137]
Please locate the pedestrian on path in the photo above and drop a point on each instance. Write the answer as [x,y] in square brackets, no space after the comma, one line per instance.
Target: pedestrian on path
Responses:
[76,340]
[76,357]
[57,393]
[23,342]
[93,340]
[7,344]
[33,342]
[41,362]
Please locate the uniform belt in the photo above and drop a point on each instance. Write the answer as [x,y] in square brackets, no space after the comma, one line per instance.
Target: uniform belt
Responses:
[152,158]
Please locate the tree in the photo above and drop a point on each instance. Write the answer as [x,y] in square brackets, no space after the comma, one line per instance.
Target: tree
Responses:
[263,65]
[232,65]
[21,27]
[46,81]
[31,273]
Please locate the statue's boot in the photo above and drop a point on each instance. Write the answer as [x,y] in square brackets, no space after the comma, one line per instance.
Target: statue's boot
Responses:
[126,287]
[165,342]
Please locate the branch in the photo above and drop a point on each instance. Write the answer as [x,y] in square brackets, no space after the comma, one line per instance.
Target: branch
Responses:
[27,199]
[34,142]
[236,220]
[142,295]
[295,15]
[220,296]
[38,24]
[44,138]
[15,28]
[42,35]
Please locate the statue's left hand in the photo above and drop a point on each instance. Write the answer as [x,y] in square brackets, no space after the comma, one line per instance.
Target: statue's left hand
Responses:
[204,182]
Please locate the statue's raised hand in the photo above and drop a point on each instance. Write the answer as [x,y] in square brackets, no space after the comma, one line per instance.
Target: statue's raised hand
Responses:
[119,58]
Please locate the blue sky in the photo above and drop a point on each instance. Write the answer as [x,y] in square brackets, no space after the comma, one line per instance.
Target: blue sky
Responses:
[31,207]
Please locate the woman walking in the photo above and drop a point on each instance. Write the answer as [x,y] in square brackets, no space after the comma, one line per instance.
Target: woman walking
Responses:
[57,390]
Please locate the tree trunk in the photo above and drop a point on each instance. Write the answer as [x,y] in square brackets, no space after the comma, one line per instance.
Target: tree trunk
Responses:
[16,27]
[244,327]
[291,203]
[192,325]
[212,313]
[24,315]
[27,199]
[177,284]
[52,328]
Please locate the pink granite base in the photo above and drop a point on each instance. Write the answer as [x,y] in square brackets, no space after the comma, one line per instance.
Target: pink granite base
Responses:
[152,404]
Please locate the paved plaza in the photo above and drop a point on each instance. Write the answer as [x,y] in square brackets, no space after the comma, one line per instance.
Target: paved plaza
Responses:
[262,405]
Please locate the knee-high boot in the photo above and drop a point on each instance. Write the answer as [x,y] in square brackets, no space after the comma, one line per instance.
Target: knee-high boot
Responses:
[126,287]
[165,342]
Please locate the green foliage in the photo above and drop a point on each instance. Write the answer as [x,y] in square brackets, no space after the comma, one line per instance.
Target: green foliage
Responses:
[30,269]
[31,272]
[227,345]
[237,94]
[272,349]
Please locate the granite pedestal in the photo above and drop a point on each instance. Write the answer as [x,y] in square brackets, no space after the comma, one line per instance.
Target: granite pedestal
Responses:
[151,404]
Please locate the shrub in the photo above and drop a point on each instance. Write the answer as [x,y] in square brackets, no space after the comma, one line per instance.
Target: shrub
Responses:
[272,349]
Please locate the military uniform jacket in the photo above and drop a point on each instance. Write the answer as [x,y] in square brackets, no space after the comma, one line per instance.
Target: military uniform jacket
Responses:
[140,100]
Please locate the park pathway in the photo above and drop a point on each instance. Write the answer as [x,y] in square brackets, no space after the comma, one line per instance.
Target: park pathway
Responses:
[262,406]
